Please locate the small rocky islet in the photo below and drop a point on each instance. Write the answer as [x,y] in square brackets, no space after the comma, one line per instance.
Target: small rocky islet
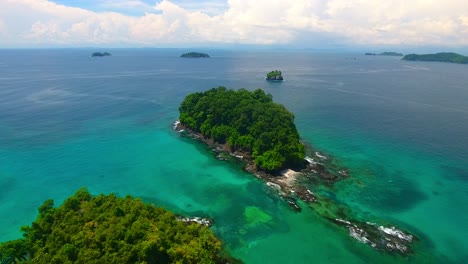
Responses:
[275,75]
[292,184]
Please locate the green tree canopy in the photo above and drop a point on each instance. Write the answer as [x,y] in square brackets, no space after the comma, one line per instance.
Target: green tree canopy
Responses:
[246,121]
[274,75]
[108,229]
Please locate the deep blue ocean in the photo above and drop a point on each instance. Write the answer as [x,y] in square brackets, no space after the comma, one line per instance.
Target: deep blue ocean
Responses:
[68,120]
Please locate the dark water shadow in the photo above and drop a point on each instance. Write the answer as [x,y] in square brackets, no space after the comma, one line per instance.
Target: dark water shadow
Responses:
[396,195]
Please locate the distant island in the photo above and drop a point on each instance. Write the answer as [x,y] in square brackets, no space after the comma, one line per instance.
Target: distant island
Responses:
[100,54]
[274,76]
[440,57]
[386,53]
[194,55]
[109,229]
[390,53]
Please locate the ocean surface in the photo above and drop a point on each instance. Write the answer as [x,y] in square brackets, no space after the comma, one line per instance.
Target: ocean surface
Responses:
[68,120]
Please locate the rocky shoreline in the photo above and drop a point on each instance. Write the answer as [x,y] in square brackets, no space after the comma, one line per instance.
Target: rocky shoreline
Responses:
[291,186]
[196,220]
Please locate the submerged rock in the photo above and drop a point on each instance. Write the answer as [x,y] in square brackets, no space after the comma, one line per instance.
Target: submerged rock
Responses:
[274,186]
[292,203]
[255,216]
[305,194]
[344,173]
[320,156]
[222,157]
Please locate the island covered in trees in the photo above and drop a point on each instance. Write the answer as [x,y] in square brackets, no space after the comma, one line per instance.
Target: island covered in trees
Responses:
[194,55]
[109,229]
[274,76]
[386,53]
[100,54]
[245,121]
[440,57]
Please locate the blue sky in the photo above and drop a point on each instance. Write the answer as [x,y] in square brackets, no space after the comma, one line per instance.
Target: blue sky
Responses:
[319,24]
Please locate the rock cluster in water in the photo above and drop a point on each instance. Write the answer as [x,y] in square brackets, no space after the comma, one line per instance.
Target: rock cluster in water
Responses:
[379,237]
[291,186]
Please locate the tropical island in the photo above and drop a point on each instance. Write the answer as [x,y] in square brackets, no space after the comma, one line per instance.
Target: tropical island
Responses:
[100,54]
[109,229]
[274,76]
[248,127]
[439,57]
[194,55]
[247,122]
[386,53]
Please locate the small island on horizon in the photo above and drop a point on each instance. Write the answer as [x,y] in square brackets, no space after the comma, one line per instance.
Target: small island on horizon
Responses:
[100,54]
[450,57]
[386,53]
[194,55]
[274,76]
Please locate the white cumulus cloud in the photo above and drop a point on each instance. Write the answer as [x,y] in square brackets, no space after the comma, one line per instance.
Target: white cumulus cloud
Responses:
[354,22]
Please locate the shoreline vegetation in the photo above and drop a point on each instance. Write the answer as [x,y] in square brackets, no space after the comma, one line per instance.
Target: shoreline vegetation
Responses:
[109,229]
[194,55]
[450,57]
[203,117]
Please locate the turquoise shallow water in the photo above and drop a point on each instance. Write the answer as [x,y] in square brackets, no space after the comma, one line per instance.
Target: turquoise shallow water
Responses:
[67,121]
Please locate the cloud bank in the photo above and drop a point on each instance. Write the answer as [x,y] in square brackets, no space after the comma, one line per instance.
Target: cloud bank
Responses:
[354,22]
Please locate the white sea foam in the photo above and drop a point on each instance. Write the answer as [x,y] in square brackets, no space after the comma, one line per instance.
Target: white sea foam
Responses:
[396,233]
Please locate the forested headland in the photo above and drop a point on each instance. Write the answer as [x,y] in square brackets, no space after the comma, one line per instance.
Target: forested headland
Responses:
[247,121]
[441,57]
[109,229]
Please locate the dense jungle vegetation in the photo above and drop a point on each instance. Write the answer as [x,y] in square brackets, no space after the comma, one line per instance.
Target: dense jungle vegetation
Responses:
[246,121]
[108,229]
